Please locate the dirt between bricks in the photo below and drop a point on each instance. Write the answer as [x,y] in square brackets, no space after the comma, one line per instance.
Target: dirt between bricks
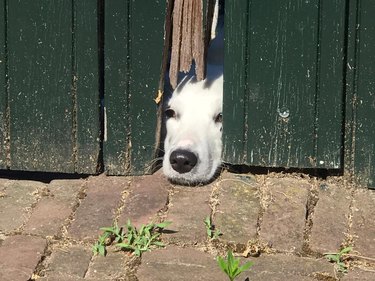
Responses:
[283,223]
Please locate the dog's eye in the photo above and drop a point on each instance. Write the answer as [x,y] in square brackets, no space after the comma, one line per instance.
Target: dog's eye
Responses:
[170,113]
[219,118]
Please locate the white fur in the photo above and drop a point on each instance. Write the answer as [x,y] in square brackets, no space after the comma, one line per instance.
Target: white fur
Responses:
[193,128]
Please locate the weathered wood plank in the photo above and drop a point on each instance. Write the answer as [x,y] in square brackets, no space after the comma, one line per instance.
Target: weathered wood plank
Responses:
[87,86]
[3,87]
[282,92]
[40,45]
[364,95]
[235,103]
[147,38]
[281,50]
[117,126]
[133,47]
[53,86]
[330,86]
[275,89]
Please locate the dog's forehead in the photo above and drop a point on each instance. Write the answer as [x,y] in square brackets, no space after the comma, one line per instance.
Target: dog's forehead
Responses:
[198,95]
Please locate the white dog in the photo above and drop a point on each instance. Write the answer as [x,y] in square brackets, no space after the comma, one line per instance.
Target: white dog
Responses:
[193,143]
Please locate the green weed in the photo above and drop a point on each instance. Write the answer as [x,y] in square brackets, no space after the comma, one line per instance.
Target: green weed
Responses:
[212,232]
[100,245]
[231,266]
[137,241]
[142,240]
[338,259]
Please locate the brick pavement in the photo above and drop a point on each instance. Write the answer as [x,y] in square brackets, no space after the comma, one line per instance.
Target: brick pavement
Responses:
[287,221]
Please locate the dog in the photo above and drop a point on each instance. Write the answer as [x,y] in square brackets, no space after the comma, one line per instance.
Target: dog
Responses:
[193,144]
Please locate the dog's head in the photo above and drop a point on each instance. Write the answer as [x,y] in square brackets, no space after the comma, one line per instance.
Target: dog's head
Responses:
[194,127]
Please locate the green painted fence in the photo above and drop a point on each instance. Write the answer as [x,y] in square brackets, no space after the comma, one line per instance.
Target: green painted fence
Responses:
[134,33]
[49,114]
[299,85]
[360,93]
[286,110]
[78,79]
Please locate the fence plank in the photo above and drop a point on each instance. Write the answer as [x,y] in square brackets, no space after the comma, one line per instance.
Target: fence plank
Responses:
[133,47]
[364,96]
[330,86]
[87,86]
[235,62]
[53,95]
[3,88]
[279,93]
[39,42]
[276,87]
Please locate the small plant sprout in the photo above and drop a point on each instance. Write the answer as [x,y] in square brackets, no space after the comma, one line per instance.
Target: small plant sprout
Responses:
[338,259]
[142,240]
[212,232]
[109,235]
[100,245]
[231,266]
[115,233]
[137,241]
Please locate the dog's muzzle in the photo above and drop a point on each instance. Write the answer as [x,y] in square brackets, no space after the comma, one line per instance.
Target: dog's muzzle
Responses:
[183,161]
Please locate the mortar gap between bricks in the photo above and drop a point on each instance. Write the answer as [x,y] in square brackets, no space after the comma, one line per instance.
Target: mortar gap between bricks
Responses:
[29,211]
[349,236]
[214,201]
[41,268]
[214,246]
[163,213]
[88,266]
[81,195]
[263,198]
[124,195]
[132,264]
[255,246]
[311,202]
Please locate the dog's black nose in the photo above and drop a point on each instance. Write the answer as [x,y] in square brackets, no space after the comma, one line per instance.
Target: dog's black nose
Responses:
[183,161]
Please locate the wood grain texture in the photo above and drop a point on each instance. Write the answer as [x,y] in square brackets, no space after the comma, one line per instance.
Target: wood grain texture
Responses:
[276,95]
[50,73]
[3,88]
[330,85]
[87,86]
[134,34]
[40,45]
[364,95]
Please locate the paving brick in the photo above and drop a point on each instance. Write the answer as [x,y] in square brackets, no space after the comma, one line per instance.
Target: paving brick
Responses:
[19,255]
[359,275]
[97,209]
[289,267]
[72,261]
[148,195]
[54,208]
[284,218]
[16,200]
[189,208]
[66,190]
[330,219]
[238,210]
[48,217]
[110,267]
[173,263]
[363,219]
[3,184]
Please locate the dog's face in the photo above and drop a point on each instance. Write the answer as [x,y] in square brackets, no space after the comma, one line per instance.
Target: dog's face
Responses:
[194,127]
